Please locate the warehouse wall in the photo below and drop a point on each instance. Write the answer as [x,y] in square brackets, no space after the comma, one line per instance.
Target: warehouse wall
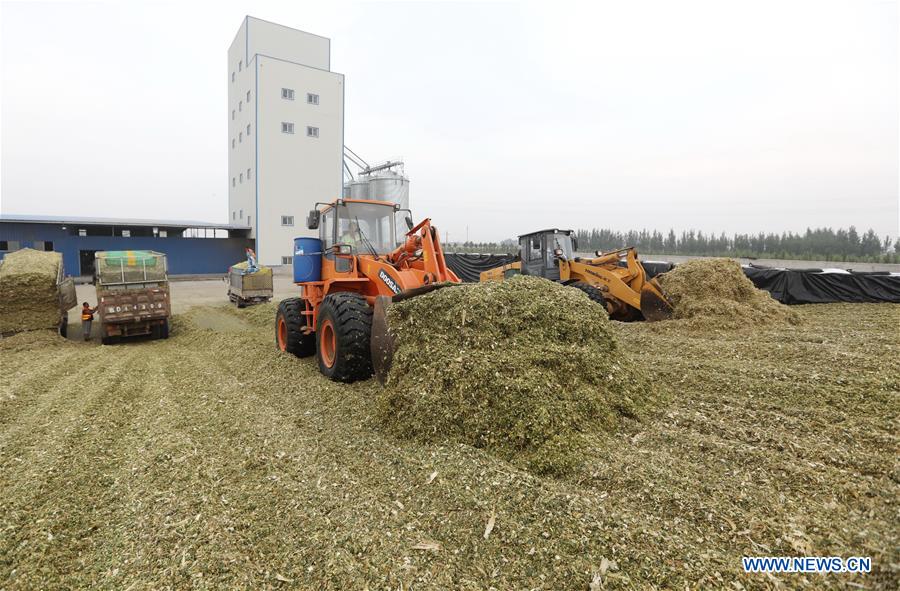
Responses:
[185,256]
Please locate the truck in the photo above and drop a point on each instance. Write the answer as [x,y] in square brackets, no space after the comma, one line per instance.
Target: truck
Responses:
[132,294]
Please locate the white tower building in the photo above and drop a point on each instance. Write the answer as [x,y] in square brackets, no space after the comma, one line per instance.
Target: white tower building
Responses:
[285,133]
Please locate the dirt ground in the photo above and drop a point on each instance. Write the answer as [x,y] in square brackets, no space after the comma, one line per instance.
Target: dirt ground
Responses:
[210,461]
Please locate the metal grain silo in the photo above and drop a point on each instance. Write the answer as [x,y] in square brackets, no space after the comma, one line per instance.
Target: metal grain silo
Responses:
[359,188]
[346,191]
[390,186]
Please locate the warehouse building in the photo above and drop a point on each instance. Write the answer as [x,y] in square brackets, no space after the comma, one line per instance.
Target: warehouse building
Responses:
[192,248]
[285,133]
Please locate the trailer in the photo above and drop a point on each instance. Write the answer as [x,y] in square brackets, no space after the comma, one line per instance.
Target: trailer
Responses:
[249,285]
[132,294]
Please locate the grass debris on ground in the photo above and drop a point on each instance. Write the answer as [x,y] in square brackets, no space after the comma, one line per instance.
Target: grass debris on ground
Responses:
[520,367]
[211,461]
[33,339]
[716,292]
[29,297]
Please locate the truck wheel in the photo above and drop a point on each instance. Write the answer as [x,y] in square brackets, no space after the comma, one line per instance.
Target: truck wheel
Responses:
[64,325]
[343,335]
[592,292]
[163,330]
[289,323]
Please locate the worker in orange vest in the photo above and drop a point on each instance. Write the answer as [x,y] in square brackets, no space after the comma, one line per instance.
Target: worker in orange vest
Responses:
[87,316]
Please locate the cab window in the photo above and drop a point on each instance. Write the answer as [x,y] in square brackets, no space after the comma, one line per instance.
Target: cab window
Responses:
[326,228]
[534,248]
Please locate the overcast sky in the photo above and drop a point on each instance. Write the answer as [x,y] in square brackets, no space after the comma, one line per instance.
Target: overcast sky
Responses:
[737,116]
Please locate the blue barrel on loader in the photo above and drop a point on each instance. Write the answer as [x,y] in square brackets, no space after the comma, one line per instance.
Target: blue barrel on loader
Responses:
[307,260]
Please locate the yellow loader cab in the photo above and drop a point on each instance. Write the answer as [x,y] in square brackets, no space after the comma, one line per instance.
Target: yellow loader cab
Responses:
[615,279]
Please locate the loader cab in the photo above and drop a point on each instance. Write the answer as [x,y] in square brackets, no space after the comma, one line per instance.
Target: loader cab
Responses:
[540,252]
[359,227]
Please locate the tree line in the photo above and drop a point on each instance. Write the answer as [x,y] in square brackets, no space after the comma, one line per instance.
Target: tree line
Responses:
[814,244]
[841,245]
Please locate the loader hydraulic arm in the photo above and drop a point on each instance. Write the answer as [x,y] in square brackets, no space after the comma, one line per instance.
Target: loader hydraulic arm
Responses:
[423,249]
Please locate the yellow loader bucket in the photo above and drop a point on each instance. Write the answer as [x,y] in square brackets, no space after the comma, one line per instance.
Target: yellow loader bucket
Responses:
[654,305]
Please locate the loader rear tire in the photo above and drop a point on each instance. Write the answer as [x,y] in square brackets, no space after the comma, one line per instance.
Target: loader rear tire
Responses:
[343,336]
[289,323]
[593,293]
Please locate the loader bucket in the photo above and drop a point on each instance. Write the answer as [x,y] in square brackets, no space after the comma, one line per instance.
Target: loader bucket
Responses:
[382,341]
[654,305]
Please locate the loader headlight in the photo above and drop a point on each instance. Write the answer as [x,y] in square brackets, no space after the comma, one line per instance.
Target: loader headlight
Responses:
[558,252]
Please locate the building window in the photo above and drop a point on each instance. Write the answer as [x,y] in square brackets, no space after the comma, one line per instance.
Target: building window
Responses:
[240,105]
[287,260]
[233,215]
[9,245]
[248,97]
[232,143]
[248,174]
[232,114]
[312,131]
[242,214]
[287,220]
[287,94]
[312,99]
[82,231]
[163,233]
[248,130]
[241,179]
[240,137]
[240,65]
[248,220]
[126,233]
[287,127]
[232,77]
[48,245]
[233,183]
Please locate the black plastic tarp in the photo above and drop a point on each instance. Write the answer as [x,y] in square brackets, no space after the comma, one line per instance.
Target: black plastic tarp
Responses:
[810,287]
[468,267]
[788,286]
[654,268]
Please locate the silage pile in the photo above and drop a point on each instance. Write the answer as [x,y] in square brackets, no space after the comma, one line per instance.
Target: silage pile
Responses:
[522,368]
[33,340]
[716,292]
[29,297]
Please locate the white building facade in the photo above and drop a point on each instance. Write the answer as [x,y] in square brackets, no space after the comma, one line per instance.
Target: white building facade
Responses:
[285,133]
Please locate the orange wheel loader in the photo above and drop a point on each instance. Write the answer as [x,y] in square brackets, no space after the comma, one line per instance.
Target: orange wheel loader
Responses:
[348,276]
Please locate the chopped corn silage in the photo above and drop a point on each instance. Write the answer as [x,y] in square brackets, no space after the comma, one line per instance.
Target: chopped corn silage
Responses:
[29,296]
[715,292]
[521,367]
[211,461]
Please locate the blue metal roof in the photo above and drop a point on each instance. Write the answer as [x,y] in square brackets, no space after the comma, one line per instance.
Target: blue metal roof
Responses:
[89,221]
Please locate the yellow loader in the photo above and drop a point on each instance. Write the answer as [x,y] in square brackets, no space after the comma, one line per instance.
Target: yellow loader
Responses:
[615,279]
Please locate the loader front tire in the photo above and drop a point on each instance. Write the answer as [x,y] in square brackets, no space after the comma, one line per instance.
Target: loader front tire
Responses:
[343,335]
[289,323]
[593,293]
